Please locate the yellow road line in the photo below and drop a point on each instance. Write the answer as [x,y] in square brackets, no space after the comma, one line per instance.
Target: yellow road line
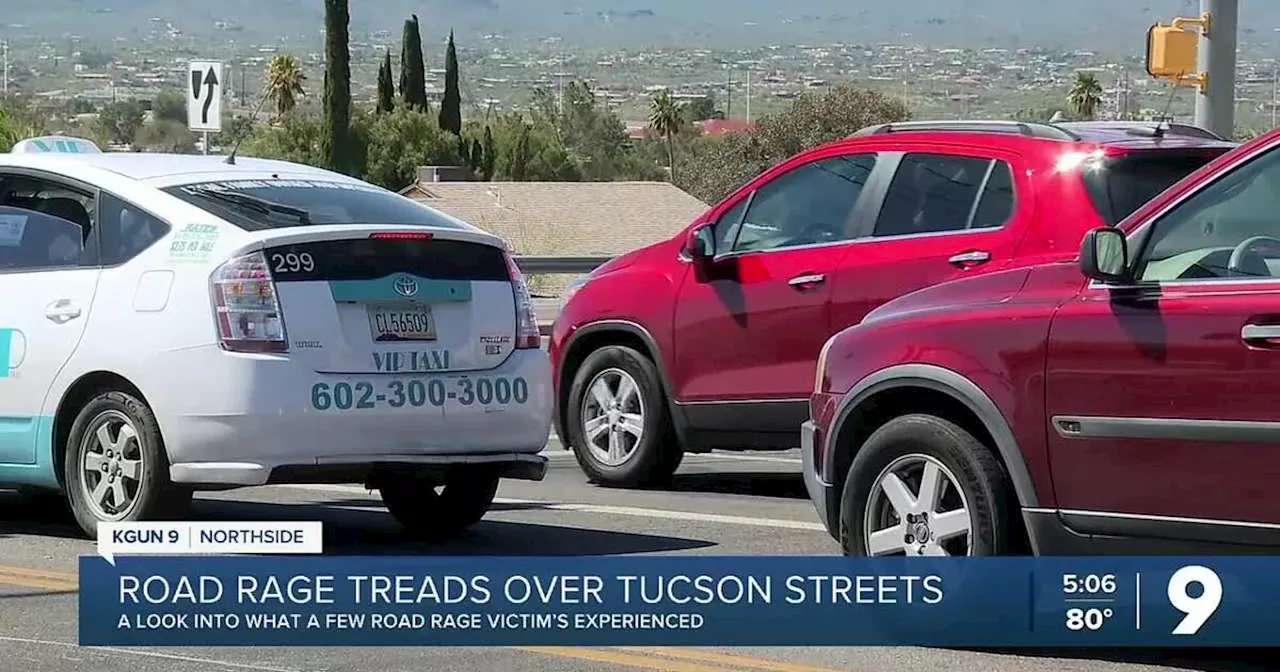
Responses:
[40,573]
[733,661]
[665,659]
[17,576]
[612,657]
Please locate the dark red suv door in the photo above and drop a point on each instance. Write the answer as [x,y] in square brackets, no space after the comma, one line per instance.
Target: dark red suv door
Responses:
[749,324]
[1163,395]
[947,212]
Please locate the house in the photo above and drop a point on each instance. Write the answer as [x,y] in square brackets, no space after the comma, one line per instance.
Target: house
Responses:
[722,126]
[591,219]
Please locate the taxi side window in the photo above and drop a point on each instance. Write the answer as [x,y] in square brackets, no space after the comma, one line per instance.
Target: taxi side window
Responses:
[43,225]
[124,230]
[33,240]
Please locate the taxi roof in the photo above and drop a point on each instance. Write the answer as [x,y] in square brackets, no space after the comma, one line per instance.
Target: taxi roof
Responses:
[162,170]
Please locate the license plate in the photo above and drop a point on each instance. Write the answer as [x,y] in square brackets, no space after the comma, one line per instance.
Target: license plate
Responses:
[409,322]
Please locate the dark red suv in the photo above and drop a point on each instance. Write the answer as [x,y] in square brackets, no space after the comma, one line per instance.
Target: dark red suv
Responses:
[709,340]
[1124,400]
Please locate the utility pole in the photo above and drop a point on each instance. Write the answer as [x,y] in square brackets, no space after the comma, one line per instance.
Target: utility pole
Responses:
[1216,58]
[728,97]
[6,68]
[1275,74]
[748,96]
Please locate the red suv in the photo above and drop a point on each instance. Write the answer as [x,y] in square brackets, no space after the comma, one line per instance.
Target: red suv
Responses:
[709,340]
[1124,400]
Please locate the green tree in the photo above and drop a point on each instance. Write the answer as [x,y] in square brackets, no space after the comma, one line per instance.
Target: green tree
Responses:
[451,103]
[665,119]
[17,124]
[296,139]
[702,109]
[518,167]
[337,86]
[165,135]
[532,152]
[712,167]
[169,106]
[591,133]
[1085,96]
[283,83]
[477,156]
[386,85]
[817,118]
[413,74]
[1042,115]
[120,121]
[490,151]
[94,58]
[403,140]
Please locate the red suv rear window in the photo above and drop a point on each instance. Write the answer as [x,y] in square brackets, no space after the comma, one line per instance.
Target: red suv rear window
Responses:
[1126,183]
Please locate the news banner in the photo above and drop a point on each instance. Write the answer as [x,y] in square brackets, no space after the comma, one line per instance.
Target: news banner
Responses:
[215,584]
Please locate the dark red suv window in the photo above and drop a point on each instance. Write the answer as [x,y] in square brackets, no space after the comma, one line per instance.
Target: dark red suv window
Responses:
[1122,185]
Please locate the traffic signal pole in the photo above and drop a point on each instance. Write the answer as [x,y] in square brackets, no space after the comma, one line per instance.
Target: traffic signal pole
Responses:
[1216,57]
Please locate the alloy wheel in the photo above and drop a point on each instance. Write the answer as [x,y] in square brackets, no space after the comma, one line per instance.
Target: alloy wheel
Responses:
[111,466]
[916,508]
[613,417]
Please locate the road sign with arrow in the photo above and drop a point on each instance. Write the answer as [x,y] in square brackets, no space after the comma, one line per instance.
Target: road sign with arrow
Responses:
[204,96]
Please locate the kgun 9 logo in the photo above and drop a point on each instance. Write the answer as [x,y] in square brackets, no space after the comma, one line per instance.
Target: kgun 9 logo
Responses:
[1198,608]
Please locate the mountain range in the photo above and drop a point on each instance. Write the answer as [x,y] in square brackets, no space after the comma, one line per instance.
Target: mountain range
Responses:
[1060,24]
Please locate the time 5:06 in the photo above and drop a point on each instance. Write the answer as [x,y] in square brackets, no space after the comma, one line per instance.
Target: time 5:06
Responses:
[1089,584]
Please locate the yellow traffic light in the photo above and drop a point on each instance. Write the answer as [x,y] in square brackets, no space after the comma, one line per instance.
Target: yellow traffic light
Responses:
[1171,52]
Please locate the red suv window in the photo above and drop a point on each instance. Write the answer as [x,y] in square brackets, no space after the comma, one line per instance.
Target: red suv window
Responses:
[1122,185]
[808,205]
[932,193]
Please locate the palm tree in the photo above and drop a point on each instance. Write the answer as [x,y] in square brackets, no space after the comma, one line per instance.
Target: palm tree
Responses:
[283,85]
[665,118]
[1085,96]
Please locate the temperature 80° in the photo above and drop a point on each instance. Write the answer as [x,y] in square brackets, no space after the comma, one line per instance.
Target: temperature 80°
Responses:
[1088,619]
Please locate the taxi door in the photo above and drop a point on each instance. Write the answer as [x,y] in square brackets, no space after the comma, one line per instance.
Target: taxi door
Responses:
[47,291]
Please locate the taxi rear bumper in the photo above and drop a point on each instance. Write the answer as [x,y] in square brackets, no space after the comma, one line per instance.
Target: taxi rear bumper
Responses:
[236,420]
[363,469]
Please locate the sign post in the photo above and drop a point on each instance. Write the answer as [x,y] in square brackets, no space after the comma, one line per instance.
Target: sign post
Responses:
[204,99]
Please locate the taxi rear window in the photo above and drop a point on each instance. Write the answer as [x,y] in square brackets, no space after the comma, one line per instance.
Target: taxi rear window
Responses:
[259,204]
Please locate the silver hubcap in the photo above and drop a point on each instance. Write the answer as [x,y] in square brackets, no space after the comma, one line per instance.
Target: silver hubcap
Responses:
[613,416]
[111,465]
[917,508]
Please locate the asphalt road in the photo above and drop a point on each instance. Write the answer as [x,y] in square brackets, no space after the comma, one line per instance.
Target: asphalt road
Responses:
[719,504]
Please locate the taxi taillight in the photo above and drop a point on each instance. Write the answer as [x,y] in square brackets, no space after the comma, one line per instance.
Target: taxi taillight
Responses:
[528,336]
[246,307]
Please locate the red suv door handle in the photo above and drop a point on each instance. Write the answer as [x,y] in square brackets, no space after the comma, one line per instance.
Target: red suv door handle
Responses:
[971,258]
[1266,333]
[807,281]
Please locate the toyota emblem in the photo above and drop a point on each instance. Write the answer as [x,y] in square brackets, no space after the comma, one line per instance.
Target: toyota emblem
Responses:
[406,286]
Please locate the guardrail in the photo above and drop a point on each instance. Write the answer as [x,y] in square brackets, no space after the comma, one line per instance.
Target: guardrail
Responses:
[533,264]
[547,308]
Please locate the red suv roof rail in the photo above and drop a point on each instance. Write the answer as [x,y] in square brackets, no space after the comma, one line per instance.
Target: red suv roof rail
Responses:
[1029,129]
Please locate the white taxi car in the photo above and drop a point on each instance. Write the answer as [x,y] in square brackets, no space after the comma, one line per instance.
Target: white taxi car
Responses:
[173,323]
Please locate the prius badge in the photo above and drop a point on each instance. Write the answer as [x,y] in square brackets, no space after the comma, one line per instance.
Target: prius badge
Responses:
[405,286]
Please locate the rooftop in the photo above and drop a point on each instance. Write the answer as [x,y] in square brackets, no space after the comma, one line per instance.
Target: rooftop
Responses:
[566,218]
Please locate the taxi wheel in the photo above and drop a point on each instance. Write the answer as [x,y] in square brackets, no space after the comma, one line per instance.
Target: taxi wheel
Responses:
[428,509]
[618,423]
[116,468]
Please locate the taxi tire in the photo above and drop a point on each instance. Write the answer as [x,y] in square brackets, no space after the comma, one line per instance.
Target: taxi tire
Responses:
[982,478]
[51,505]
[423,512]
[159,497]
[658,455]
